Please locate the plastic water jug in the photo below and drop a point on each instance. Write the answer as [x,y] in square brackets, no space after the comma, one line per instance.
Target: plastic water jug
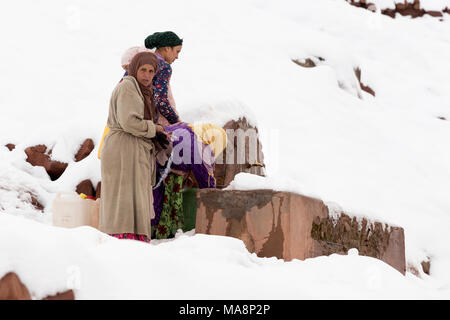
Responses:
[70,210]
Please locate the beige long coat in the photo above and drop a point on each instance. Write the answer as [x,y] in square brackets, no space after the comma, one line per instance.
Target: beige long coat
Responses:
[127,164]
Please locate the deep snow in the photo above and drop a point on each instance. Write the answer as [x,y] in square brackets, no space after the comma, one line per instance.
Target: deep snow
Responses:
[385,157]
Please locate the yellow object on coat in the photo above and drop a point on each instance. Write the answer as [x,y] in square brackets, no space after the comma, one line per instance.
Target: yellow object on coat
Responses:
[105,132]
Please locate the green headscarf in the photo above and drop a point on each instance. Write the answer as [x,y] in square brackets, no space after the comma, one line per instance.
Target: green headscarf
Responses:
[163,39]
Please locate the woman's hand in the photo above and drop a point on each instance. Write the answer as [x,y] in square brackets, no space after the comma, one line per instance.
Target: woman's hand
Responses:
[160,128]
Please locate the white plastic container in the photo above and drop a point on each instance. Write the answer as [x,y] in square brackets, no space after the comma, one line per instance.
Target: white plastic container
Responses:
[70,210]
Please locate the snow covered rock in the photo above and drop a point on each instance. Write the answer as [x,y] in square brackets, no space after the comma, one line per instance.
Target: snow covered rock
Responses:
[292,226]
[10,146]
[38,156]
[239,156]
[86,148]
[11,288]
[413,8]
[86,187]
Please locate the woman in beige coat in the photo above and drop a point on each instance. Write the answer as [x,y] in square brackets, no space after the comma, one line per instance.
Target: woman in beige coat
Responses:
[128,155]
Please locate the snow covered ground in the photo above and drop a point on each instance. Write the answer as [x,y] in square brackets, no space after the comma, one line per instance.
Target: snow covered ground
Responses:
[385,157]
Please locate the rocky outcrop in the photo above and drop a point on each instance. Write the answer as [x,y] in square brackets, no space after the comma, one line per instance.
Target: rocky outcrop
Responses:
[86,148]
[11,288]
[338,235]
[38,156]
[413,9]
[242,143]
[10,146]
[291,226]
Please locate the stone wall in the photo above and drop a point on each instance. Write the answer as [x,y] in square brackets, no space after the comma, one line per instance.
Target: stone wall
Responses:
[291,226]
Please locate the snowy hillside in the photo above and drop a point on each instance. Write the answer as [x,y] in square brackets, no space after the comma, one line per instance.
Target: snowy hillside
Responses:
[385,157]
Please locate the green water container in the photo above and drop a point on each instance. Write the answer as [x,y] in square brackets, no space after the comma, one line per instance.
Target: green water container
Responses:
[189,208]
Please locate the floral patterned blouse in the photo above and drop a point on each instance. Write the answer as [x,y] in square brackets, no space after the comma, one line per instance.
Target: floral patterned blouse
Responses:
[160,91]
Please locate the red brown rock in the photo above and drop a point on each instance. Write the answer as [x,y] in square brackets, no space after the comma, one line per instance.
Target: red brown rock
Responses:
[426,266]
[36,204]
[67,295]
[363,86]
[224,171]
[86,187]
[55,169]
[10,146]
[37,156]
[405,9]
[291,226]
[11,288]
[86,148]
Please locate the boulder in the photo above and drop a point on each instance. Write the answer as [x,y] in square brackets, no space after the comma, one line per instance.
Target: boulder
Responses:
[11,288]
[86,187]
[243,153]
[86,148]
[37,156]
[291,226]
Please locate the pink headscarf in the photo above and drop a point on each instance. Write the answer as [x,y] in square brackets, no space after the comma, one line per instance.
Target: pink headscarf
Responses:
[131,52]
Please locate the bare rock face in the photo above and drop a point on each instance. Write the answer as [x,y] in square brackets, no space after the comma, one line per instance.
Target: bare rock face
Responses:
[85,149]
[86,187]
[371,239]
[291,226]
[10,146]
[37,157]
[11,288]
[243,153]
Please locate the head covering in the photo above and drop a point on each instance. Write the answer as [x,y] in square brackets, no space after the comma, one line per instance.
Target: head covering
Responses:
[139,60]
[131,52]
[163,39]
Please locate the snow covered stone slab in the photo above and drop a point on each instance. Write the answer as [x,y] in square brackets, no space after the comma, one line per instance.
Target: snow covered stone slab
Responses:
[291,226]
